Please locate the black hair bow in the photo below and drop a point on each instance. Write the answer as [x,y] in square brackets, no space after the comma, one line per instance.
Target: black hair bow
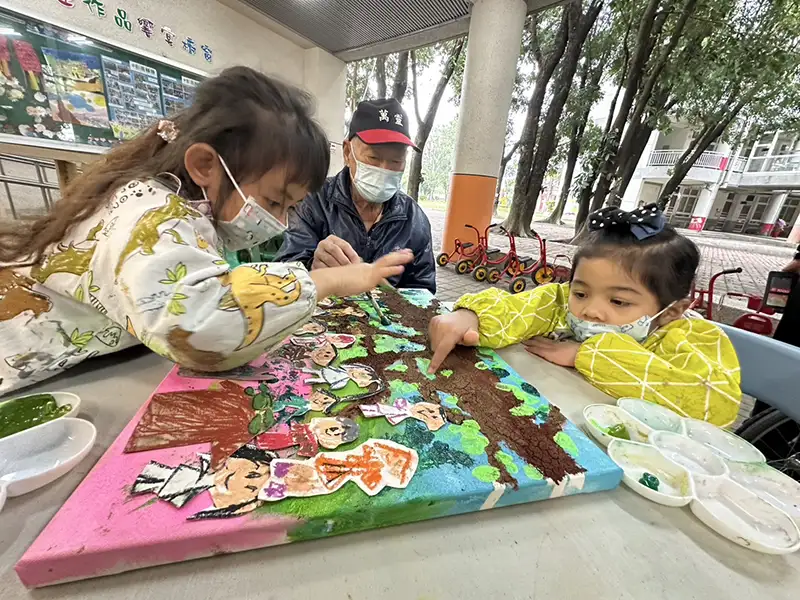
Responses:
[643,222]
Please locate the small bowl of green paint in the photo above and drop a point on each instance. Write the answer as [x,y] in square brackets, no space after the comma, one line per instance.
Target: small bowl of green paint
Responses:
[25,412]
[607,422]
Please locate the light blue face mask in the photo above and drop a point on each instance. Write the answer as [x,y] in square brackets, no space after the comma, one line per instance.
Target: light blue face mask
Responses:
[582,329]
[374,184]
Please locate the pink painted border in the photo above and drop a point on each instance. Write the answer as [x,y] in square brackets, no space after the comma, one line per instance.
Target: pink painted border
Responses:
[101,530]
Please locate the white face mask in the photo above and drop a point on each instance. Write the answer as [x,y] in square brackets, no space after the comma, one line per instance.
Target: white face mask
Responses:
[374,184]
[638,330]
[252,225]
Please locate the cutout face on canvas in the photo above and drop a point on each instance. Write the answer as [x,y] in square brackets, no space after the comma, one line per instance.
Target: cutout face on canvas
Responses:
[321,401]
[332,432]
[311,328]
[363,376]
[241,478]
[323,355]
[428,413]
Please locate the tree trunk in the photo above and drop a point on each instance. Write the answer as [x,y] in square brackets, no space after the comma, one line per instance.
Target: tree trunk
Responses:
[401,77]
[380,75]
[501,175]
[579,26]
[426,124]
[415,175]
[636,149]
[531,126]
[697,147]
[635,71]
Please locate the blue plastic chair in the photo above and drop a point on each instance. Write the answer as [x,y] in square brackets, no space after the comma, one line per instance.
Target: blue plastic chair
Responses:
[770,370]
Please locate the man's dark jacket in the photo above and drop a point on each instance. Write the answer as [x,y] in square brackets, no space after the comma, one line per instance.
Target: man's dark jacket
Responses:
[331,211]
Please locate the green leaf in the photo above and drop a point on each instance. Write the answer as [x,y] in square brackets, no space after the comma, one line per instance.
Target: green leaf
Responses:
[180,271]
[79,294]
[255,425]
[94,288]
[176,308]
[80,340]
[179,296]
[261,401]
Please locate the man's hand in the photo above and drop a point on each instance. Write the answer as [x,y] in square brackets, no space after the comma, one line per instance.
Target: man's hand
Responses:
[459,327]
[559,353]
[334,252]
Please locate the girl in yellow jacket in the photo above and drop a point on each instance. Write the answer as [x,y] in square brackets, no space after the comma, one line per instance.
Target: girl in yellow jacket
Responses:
[624,312]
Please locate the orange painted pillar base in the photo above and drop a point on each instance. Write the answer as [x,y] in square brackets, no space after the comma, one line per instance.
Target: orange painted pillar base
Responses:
[471,201]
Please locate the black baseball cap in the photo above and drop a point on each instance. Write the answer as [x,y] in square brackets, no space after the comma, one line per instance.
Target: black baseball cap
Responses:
[380,122]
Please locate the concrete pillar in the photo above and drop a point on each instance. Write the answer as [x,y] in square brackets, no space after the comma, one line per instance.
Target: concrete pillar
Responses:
[703,208]
[794,234]
[495,33]
[774,207]
[325,77]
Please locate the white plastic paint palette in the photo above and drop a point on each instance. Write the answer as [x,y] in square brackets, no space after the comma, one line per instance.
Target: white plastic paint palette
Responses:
[728,445]
[722,478]
[602,417]
[635,459]
[743,517]
[770,485]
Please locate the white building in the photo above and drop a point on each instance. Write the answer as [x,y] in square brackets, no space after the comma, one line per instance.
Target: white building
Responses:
[739,192]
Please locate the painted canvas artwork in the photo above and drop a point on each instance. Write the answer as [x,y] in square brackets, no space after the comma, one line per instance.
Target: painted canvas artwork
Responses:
[346,431]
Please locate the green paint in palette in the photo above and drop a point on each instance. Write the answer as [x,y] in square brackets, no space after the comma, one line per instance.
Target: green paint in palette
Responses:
[24,413]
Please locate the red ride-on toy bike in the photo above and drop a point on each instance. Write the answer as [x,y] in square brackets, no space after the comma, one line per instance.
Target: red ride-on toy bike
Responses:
[517,267]
[756,321]
[467,255]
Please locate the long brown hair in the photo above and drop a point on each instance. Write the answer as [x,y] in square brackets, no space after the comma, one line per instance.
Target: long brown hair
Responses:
[253,121]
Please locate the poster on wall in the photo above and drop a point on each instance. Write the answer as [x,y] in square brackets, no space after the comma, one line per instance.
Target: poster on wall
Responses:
[59,85]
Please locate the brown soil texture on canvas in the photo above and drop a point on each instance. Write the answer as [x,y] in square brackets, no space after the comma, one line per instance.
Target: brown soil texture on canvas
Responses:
[475,388]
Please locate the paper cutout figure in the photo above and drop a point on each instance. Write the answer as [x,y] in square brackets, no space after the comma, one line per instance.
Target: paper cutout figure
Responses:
[237,483]
[243,373]
[221,416]
[312,328]
[429,413]
[288,407]
[374,465]
[346,311]
[332,432]
[321,401]
[338,377]
[285,436]
[322,347]
[176,485]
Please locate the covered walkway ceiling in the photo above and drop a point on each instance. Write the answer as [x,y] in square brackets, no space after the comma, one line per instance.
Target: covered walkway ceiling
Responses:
[356,29]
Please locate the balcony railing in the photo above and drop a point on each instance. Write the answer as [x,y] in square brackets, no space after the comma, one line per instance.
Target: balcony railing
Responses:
[669,158]
[788,163]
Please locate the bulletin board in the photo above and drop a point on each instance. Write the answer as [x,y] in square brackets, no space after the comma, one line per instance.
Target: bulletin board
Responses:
[71,90]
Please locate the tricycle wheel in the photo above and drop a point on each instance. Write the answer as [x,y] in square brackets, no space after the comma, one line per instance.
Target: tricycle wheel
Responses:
[480,274]
[543,275]
[494,275]
[517,285]
[442,259]
[463,266]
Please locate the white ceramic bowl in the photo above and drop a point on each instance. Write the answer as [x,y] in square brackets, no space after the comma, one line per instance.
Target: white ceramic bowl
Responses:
[654,416]
[635,459]
[600,417]
[37,456]
[697,458]
[61,399]
[769,484]
[741,516]
[726,444]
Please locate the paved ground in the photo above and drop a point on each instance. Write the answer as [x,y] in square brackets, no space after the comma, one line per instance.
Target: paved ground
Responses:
[719,251]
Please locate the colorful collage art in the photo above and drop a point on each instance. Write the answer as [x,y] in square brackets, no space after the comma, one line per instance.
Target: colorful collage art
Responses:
[339,429]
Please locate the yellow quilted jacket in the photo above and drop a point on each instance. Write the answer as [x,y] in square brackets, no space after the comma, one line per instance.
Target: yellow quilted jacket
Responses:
[688,365]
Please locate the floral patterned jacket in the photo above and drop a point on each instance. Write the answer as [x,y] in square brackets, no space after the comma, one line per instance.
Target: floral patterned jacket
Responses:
[146,268]
[689,365]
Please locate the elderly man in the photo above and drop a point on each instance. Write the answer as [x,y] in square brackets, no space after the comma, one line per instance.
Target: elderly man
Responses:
[361,214]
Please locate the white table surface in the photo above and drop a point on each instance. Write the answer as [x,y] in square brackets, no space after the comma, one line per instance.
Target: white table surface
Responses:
[611,545]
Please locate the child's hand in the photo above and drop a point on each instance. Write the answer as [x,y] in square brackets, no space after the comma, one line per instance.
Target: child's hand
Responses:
[459,327]
[361,277]
[559,353]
